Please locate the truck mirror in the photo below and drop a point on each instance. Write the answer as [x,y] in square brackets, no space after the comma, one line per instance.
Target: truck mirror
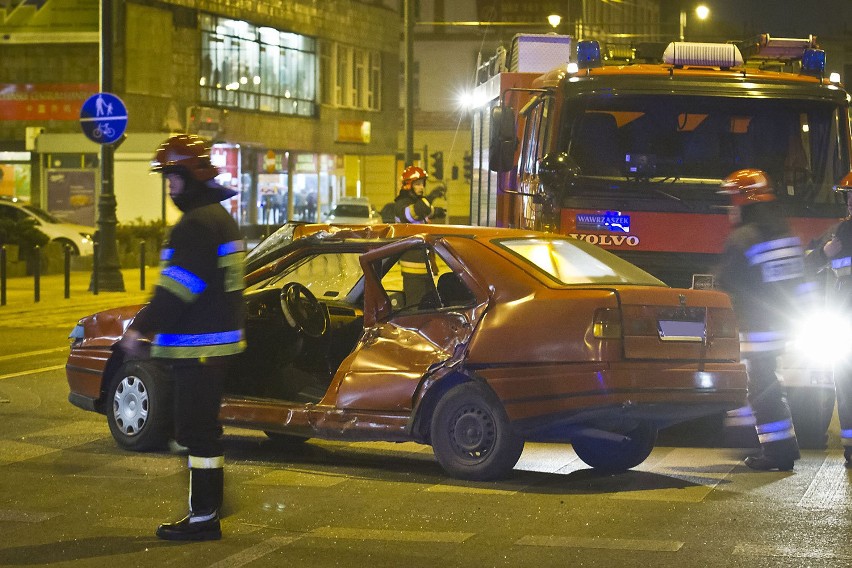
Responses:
[503,142]
[557,172]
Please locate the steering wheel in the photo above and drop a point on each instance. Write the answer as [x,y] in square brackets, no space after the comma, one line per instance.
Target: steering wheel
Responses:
[303,311]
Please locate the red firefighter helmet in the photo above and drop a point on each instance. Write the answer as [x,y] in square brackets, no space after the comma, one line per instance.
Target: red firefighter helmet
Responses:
[188,152]
[412,174]
[748,186]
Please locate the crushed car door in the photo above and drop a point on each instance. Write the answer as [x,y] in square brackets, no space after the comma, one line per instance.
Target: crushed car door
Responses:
[420,309]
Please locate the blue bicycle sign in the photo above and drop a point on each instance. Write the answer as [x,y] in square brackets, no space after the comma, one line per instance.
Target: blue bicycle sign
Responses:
[103,118]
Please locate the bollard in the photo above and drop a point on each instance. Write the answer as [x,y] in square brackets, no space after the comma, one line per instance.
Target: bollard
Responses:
[141,265]
[95,267]
[37,273]
[67,251]
[3,275]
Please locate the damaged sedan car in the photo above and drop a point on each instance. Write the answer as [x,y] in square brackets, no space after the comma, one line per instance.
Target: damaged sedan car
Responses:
[472,340]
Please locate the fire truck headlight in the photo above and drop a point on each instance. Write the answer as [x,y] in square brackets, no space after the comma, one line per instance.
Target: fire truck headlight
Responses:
[823,338]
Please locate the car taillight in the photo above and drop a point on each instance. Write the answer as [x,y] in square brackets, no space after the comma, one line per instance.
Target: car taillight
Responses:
[77,334]
[607,324]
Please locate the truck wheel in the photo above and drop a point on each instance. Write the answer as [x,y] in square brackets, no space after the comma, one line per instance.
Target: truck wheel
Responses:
[471,434]
[613,456]
[812,410]
[139,407]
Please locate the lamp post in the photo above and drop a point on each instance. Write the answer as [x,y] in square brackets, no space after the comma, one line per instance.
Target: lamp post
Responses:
[702,12]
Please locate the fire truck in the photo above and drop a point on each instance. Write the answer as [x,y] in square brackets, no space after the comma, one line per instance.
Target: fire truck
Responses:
[626,149]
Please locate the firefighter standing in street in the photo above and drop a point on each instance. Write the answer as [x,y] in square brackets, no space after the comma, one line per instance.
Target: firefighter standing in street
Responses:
[197,317]
[762,270]
[411,206]
[839,251]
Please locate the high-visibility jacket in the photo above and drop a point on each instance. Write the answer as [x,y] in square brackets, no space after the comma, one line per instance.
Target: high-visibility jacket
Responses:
[197,309]
[411,208]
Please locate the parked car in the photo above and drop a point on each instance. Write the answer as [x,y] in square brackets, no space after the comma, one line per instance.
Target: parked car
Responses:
[78,237]
[503,336]
[354,211]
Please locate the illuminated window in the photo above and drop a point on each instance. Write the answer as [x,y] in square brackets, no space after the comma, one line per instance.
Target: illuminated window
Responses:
[257,68]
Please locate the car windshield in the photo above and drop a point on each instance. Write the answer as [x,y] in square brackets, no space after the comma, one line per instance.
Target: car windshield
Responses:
[571,261]
[798,142]
[330,276]
[351,210]
[41,214]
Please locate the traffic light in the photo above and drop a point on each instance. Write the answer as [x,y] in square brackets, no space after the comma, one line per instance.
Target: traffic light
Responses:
[437,165]
[468,167]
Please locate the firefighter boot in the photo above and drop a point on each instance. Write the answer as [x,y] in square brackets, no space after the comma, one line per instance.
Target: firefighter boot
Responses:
[763,462]
[205,500]
[847,455]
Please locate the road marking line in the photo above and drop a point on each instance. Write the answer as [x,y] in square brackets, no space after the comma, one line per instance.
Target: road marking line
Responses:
[829,487]
[32,353]
[253,553]
[601,543]
[392,535]
[293,478]
[788,551]
[25,516]
[466,489]
[32,371]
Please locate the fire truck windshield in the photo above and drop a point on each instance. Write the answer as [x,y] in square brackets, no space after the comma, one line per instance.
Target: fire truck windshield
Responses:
[687,140]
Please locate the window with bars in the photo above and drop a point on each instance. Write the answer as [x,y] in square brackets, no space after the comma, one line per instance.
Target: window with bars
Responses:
[257,68]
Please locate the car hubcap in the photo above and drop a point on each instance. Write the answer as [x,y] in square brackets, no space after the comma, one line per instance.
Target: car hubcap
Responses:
[130,405]
[473,433]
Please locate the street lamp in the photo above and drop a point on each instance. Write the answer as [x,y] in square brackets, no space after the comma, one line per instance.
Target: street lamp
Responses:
[554,20]
[702,12]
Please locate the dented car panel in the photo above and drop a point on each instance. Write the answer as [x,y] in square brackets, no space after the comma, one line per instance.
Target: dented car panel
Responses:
[468,339]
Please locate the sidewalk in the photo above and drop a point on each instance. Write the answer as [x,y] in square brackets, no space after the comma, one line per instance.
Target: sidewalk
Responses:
[54,309]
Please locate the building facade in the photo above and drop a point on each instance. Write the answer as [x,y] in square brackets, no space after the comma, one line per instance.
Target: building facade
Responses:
[299,97]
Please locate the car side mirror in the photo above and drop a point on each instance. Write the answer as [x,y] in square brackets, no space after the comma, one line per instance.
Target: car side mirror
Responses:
[503,141]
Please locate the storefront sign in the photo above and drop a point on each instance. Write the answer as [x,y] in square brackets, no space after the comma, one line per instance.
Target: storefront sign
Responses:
[357,131]
[43,101]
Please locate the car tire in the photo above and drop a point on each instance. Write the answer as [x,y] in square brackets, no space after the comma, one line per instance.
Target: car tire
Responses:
[139,407]
[471,434]
[615,456]
[75,251]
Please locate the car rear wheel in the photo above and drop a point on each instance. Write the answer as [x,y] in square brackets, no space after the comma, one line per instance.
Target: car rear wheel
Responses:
[471,434]
[139,411]
[613,455]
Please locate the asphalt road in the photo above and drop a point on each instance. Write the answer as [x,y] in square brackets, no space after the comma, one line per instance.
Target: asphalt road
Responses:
[70,497]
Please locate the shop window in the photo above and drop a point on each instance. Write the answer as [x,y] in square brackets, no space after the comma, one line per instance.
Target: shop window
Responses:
[257,68]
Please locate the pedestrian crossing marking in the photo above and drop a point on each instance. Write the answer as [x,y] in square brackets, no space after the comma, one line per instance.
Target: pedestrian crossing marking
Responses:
[293,478]
[601,543]
[829,487]
[391,535]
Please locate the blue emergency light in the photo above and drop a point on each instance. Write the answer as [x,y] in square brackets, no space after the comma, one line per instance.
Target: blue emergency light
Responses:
[588,54]
[813,61]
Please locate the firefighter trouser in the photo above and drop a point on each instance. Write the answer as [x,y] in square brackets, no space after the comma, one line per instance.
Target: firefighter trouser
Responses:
[768,400]
[843,389]
[198,396]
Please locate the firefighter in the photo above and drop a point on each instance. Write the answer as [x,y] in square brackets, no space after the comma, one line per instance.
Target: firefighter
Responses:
[411,206]
[196,316]
[762,270]
[839,251]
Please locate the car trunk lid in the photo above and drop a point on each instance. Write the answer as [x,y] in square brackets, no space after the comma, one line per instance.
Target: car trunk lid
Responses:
[691,325]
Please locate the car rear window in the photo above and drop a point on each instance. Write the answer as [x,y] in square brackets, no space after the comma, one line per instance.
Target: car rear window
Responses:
[351,211]
[571,261]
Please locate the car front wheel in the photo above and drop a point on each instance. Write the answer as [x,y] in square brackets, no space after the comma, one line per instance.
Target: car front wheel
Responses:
[617,455]
[139,406]
[471,434]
